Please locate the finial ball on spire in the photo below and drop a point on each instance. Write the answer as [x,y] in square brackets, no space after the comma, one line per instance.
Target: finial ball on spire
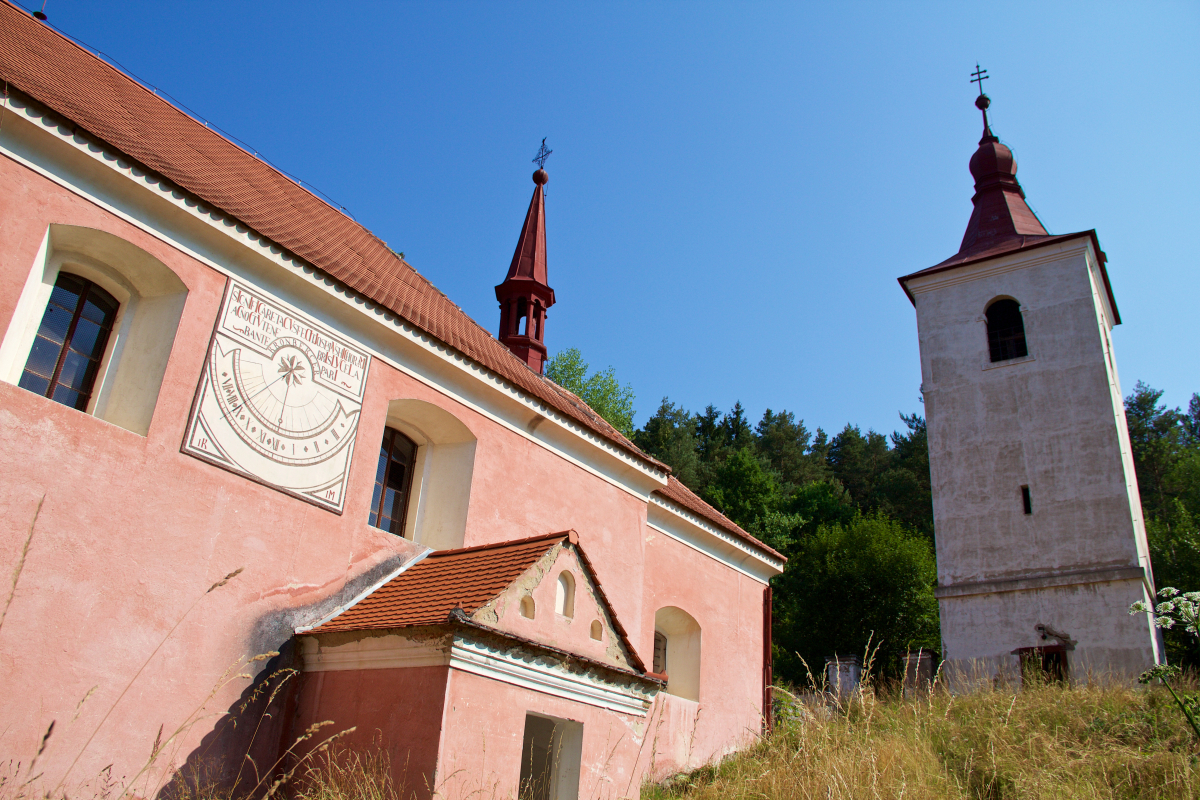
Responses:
[540,177]
[982,102]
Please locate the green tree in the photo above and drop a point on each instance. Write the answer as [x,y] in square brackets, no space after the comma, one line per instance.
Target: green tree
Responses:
[784,442]
[858,461]
[1157,438]
[670,436]
[735,430]
[903,490]
[1166,459]
[871,578]
[743,488]
[600,390]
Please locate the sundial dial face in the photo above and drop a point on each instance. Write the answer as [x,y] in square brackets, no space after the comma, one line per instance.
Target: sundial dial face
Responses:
[280,398]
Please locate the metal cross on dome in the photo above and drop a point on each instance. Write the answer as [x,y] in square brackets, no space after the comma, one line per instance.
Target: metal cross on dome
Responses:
[542,155]
[979,76]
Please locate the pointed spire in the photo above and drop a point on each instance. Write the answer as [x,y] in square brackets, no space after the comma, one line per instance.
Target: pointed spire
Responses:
[529,259]
[525,294]
[1001,214]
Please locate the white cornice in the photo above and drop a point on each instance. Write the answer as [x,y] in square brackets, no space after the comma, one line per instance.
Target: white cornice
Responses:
[682,525]
[966,273]
[518,669]
[509,664]
[260,246]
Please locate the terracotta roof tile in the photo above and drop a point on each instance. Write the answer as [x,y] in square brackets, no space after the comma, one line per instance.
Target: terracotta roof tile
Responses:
[426,593]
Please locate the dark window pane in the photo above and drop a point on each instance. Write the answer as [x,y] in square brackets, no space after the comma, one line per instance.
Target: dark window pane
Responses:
[393,504]
[66,290]
[79,328]
[396,476]
[393,478]
[99,308]
[34,383]
[381,470]
[75,370]
[86,337]
[55,323]
[70,397]
[43,358]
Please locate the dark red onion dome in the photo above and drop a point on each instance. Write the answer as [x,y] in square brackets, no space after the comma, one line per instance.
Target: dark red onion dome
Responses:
[993,159]
[1001,215]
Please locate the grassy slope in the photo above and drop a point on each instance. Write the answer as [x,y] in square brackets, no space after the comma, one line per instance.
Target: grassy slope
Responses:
[1041,742]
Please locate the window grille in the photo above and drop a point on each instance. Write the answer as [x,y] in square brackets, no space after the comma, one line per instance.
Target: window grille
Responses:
[70,342]
[393,482]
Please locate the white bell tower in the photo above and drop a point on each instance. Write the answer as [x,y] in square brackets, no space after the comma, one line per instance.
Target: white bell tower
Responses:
[1041,546]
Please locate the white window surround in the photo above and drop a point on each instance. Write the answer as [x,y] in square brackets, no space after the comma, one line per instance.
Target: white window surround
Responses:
[151,297]
[441,486]
[683,651]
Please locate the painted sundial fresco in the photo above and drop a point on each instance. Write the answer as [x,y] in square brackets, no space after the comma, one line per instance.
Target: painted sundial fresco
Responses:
[280,398]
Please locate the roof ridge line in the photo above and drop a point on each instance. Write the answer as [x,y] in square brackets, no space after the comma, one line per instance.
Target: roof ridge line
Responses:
[508,543]
[365,593]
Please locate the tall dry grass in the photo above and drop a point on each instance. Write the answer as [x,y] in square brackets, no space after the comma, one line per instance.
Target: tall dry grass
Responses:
[1102,740]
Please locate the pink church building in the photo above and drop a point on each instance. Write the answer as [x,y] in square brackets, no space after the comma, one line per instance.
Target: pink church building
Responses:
[235,423]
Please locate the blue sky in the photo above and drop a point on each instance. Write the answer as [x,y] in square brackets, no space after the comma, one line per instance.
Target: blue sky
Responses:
[734,187]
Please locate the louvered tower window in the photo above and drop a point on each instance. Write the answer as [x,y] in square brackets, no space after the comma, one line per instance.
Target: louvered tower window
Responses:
[70,342]
[393,482]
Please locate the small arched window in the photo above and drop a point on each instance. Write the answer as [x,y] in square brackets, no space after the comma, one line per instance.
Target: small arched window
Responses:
[597,631]
[564,595]
[393,482]
[528,609]
[1006,330]
[70,342]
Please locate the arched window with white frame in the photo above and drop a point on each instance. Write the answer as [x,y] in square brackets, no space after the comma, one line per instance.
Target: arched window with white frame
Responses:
[94,326]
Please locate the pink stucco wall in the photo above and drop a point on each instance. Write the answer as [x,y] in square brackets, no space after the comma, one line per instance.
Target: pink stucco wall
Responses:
[398,711]
[729,608]
[111,603]
[482,734]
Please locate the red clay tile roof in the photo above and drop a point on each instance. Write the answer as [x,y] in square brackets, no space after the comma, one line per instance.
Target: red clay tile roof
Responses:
[468,578]
[426,593]
[111,106]
[683,496]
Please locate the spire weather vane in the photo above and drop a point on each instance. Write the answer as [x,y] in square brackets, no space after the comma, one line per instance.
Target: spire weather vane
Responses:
[979,76]
[542,155]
